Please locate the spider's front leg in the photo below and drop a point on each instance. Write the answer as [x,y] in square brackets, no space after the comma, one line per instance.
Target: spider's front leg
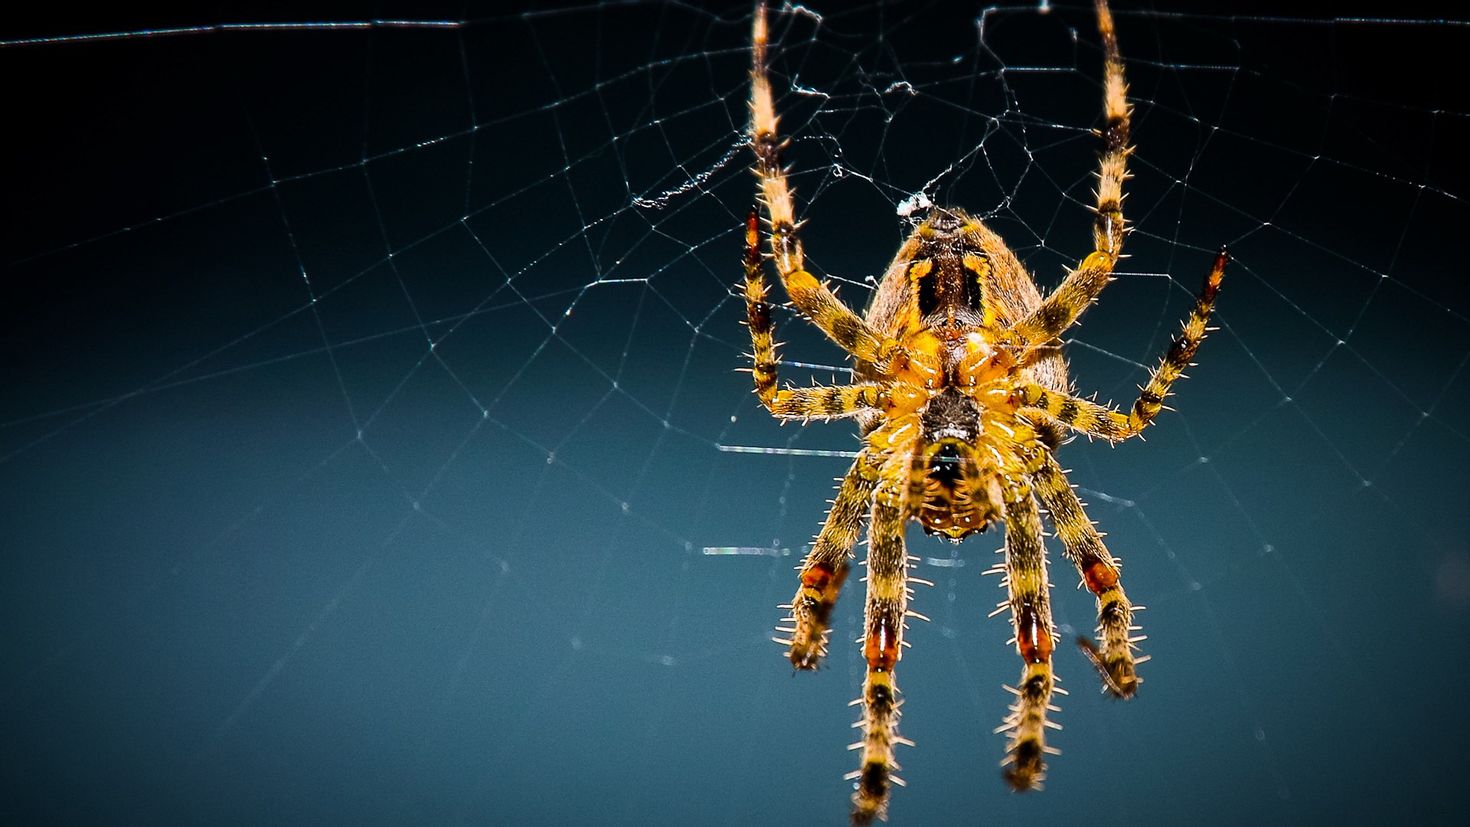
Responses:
[1084,547]
[1027,589]
[1061,309]
[813,298]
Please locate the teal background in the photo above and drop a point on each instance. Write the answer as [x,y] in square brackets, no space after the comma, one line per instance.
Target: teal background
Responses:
[369,397]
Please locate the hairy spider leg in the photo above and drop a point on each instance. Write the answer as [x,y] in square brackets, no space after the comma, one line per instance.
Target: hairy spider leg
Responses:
[813,298]
[826,402]
[1081,286]
[1082,545]
[1097,420]
[887,606]
[1027,589]
[826,566]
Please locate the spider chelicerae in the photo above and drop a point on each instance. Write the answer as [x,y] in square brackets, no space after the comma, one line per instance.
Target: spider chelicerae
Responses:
[962,395]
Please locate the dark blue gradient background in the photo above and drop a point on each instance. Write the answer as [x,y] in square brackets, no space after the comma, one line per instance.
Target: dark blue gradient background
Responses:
[360,435]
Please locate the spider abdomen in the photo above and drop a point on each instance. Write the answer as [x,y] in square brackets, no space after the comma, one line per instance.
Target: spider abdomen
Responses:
[958,498]
[952,508]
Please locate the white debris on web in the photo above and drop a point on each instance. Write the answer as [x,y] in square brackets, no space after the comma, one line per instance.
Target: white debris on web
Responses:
[694,183]
[918,202]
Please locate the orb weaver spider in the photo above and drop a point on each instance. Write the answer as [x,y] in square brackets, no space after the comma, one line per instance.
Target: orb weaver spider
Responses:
[962,397]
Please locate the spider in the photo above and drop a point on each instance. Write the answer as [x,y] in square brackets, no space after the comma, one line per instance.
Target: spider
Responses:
[962,397]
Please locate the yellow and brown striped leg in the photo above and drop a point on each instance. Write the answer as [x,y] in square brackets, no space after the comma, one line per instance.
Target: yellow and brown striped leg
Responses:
[1061,309]
[813,298]
[1028,590]
[764,368]
[887,606]
[1181,351]
[1101,421]
[1099,570]
[826,566]
[1081,415]
[788,403]
[825,401]
[1108,227]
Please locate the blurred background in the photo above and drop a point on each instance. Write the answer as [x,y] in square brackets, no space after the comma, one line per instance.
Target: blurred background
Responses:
[373,452]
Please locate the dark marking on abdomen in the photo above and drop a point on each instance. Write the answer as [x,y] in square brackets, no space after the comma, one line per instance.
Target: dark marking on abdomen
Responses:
[948,287]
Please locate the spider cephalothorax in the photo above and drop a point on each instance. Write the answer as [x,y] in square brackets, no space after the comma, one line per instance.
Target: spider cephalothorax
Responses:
[962,395]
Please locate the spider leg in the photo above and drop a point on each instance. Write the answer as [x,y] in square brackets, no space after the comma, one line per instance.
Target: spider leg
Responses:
[813,298]
[887,605]
[1027,590]
[1101,421]
[1108,227]
[826,566]
[1082,285]
[1099,570]
[791,403]
[1181,350]
[825,401]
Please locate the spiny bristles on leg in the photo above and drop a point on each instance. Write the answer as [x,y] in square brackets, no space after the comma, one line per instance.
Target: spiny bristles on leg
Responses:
[880,735]
[1025,768]
[826,566]
[1027,589]
[1113,654]
[1182,350]
[811,612]
[882,646]
[758,317]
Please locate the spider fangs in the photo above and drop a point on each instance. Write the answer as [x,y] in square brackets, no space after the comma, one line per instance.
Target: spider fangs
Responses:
[962,397]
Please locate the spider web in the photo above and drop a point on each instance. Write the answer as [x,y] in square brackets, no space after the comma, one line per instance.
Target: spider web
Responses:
[373,450]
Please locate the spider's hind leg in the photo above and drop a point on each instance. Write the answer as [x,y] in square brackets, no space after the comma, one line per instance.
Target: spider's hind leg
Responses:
[826,567]
[1027,590]
[887,607]
[1113,655]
